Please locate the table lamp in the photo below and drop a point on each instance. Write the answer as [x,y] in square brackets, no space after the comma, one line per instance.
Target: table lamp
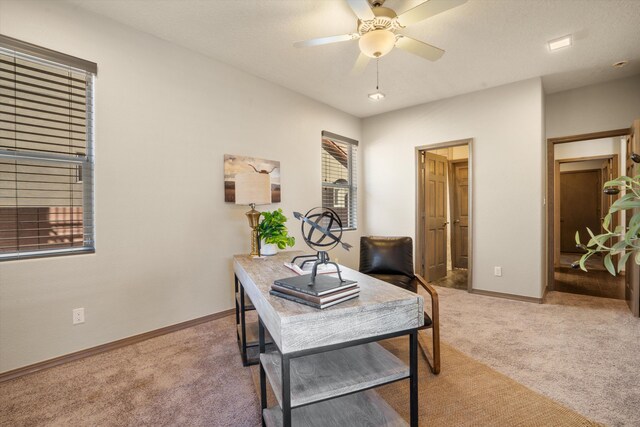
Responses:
[253,188]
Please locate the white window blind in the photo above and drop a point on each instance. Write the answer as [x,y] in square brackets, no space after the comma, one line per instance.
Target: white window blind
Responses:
[46,152]
[339,177]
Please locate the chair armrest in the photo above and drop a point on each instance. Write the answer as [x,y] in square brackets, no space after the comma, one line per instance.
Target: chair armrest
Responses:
[435,305]
[427,287]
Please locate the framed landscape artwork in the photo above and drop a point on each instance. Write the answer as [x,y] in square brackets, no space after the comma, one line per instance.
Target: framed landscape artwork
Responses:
[234,164]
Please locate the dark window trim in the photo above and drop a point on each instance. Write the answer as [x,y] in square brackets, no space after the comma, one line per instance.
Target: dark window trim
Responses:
[340,138]
[48,54]
[27,51]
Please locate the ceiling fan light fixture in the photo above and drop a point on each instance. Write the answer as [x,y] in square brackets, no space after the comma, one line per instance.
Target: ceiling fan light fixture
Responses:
[376,96]
[377,43]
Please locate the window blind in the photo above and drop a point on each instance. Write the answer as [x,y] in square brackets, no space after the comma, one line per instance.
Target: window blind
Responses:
[339,177]
[46,153]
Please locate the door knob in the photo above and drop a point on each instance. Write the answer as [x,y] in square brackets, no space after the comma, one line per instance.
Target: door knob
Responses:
[456,221]
[445,224]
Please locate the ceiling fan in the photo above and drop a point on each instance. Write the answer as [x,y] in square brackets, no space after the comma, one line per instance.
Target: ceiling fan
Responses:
[377,28]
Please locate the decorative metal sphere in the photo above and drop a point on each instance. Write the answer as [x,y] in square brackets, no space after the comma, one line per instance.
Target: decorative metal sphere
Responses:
[321,228]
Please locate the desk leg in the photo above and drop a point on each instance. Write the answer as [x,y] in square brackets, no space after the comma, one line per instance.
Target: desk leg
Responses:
[235,278]
[243,327]
[263,378]
[286,391]
[413,381]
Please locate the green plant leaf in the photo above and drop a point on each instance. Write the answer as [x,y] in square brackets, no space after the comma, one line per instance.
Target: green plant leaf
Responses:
[623,260]
[272,229]
[615,183]
[599,241]
[619,205]
[619,247]
[609,265]
[583,260]
[606,222]
[578,238]
[632,233]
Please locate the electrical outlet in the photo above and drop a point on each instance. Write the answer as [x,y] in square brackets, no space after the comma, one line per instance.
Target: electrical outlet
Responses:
[78,316]
[497,271]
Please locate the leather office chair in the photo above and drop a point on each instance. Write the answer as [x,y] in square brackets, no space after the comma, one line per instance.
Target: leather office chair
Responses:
[391,259]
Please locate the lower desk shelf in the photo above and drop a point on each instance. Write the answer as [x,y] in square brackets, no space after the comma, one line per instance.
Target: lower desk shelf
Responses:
[363,408]
[251,353]
[335,373]
[251,329]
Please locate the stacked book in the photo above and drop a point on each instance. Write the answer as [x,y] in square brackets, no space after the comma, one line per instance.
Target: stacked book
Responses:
[325,291]
[306,268]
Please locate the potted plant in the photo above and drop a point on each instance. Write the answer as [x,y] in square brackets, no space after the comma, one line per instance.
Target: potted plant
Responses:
[623,241]
[273,233]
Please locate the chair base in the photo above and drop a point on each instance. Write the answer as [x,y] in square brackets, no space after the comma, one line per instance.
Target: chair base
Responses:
[432,361]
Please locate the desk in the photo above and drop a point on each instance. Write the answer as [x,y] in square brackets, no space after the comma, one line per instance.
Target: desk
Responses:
[328,360]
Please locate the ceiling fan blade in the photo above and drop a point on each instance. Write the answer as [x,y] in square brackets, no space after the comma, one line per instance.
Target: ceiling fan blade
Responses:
[362,9]
[360,65]
[419,48]
[426,10]
[326,40]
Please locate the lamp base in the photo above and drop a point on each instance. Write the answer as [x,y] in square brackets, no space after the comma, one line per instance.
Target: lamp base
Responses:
[254,218]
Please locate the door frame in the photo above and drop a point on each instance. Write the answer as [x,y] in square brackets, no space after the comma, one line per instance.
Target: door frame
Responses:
[551,190]
[452,203]
[418,245]
[556,195]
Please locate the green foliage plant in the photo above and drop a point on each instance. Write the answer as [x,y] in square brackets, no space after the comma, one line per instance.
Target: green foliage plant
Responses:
[623,241]
[272,229]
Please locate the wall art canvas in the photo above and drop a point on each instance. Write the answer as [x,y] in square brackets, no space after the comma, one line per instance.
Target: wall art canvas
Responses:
[234,164]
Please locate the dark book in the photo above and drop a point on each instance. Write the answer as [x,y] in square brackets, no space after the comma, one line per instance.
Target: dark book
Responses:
[309,303]
[322,285]
[317,300]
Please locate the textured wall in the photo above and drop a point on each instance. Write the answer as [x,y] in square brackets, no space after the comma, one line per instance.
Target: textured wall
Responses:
[595,108]
[165,117]
[506,124]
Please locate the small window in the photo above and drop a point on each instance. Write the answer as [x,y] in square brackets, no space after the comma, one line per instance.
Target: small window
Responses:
[46,152]
[339,177]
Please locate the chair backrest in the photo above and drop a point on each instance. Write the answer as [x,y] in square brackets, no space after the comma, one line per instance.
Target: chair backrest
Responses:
[386,255]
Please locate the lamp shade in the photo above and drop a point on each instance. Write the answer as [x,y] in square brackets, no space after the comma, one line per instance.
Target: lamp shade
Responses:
[253,187]
[377,43]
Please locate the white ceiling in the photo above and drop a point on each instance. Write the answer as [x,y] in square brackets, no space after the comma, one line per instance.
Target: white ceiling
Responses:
[487,42]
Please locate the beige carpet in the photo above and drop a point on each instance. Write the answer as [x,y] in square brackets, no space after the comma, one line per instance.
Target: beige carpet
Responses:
[580,351]
[193,377]
[468,393]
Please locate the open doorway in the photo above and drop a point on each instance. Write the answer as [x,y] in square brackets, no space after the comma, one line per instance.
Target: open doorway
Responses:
[581,204]
[581,167]
[443,214]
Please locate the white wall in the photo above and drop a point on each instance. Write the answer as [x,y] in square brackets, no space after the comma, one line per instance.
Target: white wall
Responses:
[165,238]
[595,108]
[506,124]
[590,148]
[581,166]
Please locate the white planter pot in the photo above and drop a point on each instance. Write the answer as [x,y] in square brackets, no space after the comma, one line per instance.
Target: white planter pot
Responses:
[268,249]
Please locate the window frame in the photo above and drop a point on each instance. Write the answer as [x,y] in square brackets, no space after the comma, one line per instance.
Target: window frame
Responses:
[352,184]
[85,163]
